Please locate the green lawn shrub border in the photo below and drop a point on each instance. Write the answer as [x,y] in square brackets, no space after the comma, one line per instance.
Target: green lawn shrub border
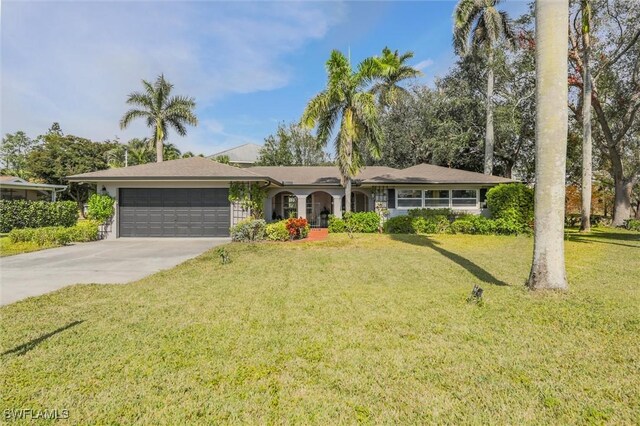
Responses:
[18,214]
[84,231]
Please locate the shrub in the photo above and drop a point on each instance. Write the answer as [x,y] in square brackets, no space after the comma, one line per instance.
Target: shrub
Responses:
[249,230]
[429,213]
[337,225]
[365,222]
[632,224]
[100,208]
[16,214]
[399,225]
[474,224]
[297,228]
[277,231]
[513,203]
[431,224]
[57,235]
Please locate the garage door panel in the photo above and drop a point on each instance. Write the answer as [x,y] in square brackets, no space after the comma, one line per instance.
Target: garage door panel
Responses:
[170,212]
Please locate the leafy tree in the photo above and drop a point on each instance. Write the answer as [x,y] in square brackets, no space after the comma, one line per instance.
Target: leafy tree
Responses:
[171,152]
[347,100]
[224,159]
[61,156]
[292,145]
[55,129]
[548,267]
[394,70]
[14,152]
[479,26]
[613,69]
[160,110]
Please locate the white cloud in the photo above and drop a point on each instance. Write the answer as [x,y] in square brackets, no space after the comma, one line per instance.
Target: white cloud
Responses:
[423,64]
[75,62]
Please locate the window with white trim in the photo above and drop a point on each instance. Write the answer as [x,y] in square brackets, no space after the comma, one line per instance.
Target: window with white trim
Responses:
[464,197]
[436,198]
[409,198]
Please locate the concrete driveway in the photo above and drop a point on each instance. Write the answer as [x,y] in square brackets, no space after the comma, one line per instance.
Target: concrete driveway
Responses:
[102,262]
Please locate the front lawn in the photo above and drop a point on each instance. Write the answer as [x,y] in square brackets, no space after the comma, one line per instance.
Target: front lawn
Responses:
[370,329]
[7,248]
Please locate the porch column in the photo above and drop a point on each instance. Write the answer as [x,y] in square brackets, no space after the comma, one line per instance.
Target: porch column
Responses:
[337,205]
[302,206]
[268,209]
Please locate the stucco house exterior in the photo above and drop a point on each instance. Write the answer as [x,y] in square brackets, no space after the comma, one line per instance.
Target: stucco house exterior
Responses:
[189,197]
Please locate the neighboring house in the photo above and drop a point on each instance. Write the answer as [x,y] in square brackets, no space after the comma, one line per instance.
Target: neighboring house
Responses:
[189,197]
[15,188]
[242,156]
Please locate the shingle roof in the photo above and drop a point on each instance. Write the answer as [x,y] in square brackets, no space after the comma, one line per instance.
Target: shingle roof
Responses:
[247,153]
[11,179]
[428,173]
[204,168]
[184,168]
[317,175]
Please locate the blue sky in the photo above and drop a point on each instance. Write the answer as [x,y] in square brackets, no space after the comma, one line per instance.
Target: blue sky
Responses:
[250,65]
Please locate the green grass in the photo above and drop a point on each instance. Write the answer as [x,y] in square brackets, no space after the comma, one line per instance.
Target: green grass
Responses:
[7,248]
[374,330]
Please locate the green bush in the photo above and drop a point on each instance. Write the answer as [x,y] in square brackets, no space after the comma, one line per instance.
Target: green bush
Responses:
[473,224]
[632,224]
[277,231]
[430,225]
[429,213]
[365,222]
[17,214]
[513,203]
[362,222]
[100,207]
[336,224]
[249,230]
[56,235]
[399,225]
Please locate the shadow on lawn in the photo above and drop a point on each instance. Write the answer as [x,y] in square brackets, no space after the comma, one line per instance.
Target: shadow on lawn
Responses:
[598,237]
[26,347]
[424,241]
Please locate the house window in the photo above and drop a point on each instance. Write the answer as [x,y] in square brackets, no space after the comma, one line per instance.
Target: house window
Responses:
[464,197]
[436,198]
[409,198]
[289,206]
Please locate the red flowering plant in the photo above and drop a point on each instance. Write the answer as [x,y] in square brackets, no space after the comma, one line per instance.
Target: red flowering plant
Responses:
[298,228]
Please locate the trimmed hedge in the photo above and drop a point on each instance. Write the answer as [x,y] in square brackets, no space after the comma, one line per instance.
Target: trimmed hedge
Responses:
[512,204]
[57,235]
[100,207]
[249,230]
[400,225]
[362,222]
[18,214]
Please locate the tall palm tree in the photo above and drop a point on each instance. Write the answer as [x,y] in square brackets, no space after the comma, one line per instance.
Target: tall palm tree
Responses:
[160,110]
[587,143]
[393,69]
[548,268]
[479,26]
[345,99]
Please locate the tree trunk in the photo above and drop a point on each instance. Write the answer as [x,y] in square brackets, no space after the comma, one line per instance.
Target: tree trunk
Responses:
[587,144]
[347,195]
[637,216]
[622,203]
[548,268]
[488,139]
[159,144]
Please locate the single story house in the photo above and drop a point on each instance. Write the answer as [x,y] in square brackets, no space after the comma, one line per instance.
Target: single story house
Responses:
[189,197]
[15,188]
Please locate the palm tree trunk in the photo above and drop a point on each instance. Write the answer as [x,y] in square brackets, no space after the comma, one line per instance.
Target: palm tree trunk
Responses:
[347,194]
[488,138]
[587,143]
[548,268]
[159,144]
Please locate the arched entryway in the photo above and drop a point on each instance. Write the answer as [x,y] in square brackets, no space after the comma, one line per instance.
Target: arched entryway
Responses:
[359,202]
[284,205]
[319,207]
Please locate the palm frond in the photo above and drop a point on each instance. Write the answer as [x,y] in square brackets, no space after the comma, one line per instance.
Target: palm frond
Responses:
[131,115]
[465,16]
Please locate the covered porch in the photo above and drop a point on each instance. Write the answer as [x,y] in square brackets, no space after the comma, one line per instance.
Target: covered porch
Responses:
[313,204]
